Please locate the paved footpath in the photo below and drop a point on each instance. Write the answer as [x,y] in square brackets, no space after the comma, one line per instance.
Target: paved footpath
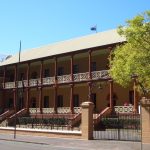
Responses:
[24,142]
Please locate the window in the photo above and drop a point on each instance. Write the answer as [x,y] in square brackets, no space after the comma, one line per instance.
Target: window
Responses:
[11,78]
[60,101]
[114,99]
[33,102]
[34,75]
[46,101]
[60,71]
[93,66]
[46,73]
[75,100]
[75,69]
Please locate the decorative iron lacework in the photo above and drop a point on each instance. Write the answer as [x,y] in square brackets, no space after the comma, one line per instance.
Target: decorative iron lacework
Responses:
[123,109]
[61,79]
[63,110]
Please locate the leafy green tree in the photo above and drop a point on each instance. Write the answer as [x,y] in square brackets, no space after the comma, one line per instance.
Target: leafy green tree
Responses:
[133,57]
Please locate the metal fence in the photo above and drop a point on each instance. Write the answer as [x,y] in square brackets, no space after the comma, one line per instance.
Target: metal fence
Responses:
[44,123]
[119,127]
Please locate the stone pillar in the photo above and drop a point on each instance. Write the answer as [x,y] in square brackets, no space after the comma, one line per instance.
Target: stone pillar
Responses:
[145,121]
[87,120]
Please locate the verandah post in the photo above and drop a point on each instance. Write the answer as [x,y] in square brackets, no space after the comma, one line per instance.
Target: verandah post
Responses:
[111,93]
[28,87]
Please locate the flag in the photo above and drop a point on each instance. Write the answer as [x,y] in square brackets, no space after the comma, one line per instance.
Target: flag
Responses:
[94,28]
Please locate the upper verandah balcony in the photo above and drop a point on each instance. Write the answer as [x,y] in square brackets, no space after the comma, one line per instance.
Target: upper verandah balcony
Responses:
[79,77]
[79,68]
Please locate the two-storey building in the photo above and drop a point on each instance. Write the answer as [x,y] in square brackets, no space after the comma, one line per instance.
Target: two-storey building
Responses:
[57,78]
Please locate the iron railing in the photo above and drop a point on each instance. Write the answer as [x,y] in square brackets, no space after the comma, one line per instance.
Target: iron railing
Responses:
[45,123]
[61,110]
[123,109]
[103,74]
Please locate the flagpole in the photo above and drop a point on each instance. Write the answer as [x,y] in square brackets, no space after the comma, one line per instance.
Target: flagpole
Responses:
[17,91]
[19,52]
[96,28]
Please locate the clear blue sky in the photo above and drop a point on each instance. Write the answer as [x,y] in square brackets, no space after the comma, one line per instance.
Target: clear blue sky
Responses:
[41,22]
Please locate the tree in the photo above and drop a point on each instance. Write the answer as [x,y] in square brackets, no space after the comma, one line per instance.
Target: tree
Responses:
[133,57]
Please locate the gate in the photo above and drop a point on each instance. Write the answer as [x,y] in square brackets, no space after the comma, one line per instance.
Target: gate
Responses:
[125,127]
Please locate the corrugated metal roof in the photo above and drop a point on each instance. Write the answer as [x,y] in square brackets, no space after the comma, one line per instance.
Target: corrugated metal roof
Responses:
[86,42]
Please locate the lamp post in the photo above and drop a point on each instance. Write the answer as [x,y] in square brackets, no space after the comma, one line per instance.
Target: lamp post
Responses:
[17,91]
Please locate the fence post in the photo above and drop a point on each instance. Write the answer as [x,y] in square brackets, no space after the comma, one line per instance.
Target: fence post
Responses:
[87,120]
[145,122]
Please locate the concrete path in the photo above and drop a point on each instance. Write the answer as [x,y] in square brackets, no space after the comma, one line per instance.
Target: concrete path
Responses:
[24,142]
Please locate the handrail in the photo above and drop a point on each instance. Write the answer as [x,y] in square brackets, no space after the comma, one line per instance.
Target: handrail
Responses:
[75,119]
[6,114]
[104,112]
[19,113]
